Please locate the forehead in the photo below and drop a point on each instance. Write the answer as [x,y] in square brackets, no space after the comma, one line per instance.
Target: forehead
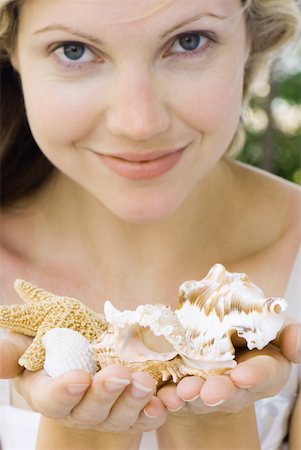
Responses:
[127,11]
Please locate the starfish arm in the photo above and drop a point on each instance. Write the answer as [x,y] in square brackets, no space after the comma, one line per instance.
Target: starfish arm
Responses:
[24,319]
[71,313]
[30,293]
[34,357]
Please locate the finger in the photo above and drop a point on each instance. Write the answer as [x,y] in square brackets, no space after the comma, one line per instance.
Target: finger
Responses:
[53,397]
[154,408]
[189,388]
[136,396]
[12,347]
[217,390]
[152,417]
[290,342]
[108,384]
[262,374]
[169,397]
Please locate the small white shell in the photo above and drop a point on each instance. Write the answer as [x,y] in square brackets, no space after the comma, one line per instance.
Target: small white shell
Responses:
[66,350]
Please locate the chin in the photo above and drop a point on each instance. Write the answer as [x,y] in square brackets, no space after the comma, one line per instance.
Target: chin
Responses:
[147,212]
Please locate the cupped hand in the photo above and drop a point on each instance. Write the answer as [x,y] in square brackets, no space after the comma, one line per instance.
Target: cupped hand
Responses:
[111,401]
[259,374]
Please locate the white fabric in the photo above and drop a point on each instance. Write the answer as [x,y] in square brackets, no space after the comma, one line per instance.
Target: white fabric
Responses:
[149,441]
[18,427]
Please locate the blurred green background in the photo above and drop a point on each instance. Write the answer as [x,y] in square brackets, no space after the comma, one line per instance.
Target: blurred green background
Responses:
[273,119]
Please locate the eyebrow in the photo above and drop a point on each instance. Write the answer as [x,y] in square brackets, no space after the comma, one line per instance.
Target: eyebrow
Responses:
[190,20]
[70,31]
[58,27]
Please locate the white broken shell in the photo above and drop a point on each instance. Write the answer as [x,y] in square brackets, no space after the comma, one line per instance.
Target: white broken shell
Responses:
[66,350]
[147,339]
[151,332]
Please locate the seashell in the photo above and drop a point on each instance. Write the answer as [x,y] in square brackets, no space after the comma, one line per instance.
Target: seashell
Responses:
[195,339]
[161,371]
[224,303]
[147,339]
[151,332]
[66,350]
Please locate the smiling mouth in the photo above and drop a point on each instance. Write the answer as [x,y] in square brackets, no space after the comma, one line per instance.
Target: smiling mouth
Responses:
[143,157]
[142,166]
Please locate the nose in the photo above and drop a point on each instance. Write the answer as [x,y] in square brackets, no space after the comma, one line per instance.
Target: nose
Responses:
[137,110]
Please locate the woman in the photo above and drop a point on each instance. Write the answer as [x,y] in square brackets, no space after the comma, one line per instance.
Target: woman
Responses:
[117,185]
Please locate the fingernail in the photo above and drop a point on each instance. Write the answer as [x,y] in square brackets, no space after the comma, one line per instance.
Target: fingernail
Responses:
[114,384]
[245,386]
[298,344]
[150,416]
[77,388]
[191,399]
[176,409]
[220,402]
[140,391]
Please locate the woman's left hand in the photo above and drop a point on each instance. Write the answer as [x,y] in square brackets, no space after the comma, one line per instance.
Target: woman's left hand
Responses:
[259,374]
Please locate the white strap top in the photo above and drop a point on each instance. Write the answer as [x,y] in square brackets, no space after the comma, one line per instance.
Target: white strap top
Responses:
[19,427]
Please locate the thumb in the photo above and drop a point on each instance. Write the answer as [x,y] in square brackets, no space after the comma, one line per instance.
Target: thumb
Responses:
[289,342]
[12,347]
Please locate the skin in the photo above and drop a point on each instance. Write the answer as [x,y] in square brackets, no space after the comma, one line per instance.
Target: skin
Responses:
[150,226]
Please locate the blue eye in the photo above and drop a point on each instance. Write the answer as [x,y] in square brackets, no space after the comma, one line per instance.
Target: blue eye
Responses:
[73,51]
[190,42]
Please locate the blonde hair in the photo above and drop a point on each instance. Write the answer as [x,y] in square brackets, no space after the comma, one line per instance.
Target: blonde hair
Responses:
[270,24]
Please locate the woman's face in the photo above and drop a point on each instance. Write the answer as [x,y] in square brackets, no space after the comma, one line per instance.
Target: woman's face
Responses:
[133,101]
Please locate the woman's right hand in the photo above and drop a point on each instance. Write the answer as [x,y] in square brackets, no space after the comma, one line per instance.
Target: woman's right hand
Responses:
[98,403]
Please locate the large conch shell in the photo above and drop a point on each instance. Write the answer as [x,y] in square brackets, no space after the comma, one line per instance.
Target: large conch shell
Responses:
[224,303]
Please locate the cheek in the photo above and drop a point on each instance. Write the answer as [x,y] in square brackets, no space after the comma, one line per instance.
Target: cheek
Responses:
[211,102]
[58,114]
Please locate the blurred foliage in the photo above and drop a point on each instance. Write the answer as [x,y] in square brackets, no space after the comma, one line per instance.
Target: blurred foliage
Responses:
[273,119]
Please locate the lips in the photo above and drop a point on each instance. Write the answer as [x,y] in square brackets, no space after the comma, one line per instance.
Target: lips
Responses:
[139,166]
[143,157]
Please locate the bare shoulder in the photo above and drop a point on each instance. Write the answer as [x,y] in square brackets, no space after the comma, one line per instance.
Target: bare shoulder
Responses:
[274,226]
[273,194]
